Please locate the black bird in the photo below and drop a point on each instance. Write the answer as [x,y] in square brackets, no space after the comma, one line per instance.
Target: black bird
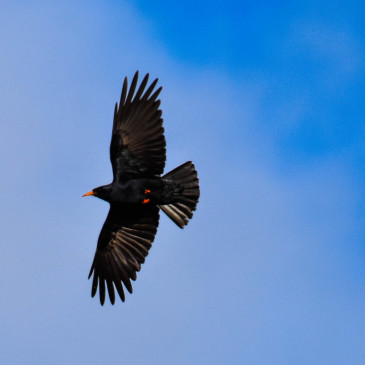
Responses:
[138,191]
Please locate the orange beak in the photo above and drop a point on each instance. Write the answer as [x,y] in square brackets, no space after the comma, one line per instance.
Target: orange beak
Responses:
[89,193]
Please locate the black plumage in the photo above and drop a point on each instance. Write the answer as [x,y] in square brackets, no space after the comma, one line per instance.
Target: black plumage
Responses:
[138,191]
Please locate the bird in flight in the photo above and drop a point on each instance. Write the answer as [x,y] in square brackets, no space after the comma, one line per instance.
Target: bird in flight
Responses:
[138,191]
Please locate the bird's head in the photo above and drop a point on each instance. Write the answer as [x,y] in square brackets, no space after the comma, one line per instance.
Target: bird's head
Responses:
[102,192]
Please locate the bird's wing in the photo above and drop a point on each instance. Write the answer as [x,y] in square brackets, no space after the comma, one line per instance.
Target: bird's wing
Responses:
[123,244]
[138,146]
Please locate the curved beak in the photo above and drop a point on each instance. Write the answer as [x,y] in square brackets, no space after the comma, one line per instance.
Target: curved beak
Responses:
[89,193]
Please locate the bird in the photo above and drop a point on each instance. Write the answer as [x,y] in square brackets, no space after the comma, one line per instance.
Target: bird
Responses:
[139,190]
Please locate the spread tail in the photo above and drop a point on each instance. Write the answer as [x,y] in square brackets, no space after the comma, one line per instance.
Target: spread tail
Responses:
[186,178]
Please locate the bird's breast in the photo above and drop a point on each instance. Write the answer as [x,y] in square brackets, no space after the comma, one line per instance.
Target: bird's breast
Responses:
[133,191]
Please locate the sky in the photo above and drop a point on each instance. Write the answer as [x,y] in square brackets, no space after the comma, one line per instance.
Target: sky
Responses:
[267,99]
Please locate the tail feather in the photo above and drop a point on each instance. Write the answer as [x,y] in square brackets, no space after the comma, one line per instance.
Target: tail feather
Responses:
[186,178]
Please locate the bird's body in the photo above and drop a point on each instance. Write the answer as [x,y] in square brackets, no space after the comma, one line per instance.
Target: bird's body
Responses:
[138,191]
[128,192]
[158,191]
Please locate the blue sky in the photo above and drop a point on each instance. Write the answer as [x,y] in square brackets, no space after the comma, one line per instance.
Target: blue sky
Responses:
[267,99]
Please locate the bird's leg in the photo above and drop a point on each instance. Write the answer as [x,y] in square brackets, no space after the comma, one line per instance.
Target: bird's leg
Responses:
[146,192]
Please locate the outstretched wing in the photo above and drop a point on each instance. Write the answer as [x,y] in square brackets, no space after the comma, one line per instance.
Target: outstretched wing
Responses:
[123,244]
[138,146]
